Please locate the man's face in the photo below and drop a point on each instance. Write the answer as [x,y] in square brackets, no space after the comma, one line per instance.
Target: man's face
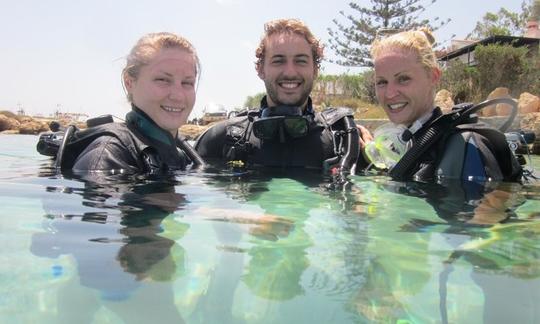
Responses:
[288,70]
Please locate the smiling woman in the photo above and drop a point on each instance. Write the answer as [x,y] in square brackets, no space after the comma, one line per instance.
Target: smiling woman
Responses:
[160,79]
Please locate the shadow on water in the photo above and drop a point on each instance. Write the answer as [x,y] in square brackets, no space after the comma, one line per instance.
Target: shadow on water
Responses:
[483,232]
[117,248]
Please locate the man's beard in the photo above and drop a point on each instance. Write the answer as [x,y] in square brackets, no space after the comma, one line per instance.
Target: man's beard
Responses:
[272,92]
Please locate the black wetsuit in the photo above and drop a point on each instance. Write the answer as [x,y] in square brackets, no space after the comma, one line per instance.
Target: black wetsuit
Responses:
[139,145]
[233,139]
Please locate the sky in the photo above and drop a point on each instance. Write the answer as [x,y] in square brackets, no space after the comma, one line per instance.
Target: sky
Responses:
[67,55]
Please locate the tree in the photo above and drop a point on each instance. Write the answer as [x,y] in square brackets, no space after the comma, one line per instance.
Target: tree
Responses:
[504,22]
[351,43]
[254,101]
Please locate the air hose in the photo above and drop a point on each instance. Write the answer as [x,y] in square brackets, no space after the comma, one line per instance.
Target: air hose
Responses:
[441,126]
[191,153]
[348,162]
[67,136]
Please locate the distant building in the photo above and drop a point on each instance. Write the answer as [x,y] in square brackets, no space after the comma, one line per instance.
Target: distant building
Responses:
[465,53]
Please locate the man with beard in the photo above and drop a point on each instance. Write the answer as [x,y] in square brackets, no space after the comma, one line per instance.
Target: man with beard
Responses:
[286,131]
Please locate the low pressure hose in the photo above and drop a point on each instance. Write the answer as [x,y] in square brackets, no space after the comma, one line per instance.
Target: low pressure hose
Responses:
[352,149]
[60,155]
[198,161]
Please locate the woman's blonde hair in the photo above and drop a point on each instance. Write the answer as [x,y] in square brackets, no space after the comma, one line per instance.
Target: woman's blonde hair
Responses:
[147,46]
[419,42]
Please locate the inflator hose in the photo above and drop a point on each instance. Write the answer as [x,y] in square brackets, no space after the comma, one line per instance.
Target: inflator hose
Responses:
[348,162]
[439,128]
[191,153]
[67,135]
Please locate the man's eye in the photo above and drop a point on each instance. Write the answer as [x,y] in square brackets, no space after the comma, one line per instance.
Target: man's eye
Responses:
[162,80]
[381,83]
[277,61]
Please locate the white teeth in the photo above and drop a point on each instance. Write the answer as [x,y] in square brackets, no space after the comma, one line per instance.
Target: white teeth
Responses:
[289,85]
[172,109]
[397,106]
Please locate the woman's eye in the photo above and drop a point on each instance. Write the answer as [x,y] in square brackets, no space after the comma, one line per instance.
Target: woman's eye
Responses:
[381,83]
[403,79]
[162,80]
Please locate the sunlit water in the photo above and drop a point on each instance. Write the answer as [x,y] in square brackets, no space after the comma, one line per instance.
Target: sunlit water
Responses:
[228,248]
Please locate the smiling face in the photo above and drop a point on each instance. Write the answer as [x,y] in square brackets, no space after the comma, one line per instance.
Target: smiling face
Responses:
[165,88]
[288,69]
[404,87]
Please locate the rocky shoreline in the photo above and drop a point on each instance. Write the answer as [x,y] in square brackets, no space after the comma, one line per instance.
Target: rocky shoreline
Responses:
[528,118]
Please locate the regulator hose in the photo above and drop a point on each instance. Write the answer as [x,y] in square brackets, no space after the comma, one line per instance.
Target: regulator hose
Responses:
[67,136]
[191,153]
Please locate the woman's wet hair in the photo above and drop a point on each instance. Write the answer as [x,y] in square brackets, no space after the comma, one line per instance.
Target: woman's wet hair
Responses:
[419,42]
[289,26]
[147,47]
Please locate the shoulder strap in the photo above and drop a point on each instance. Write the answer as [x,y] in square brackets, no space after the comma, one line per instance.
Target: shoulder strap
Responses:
[510,167]
[333,114]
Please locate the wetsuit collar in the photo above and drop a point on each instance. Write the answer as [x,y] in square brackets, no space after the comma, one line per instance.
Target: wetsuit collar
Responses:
[139,120]
[307,111]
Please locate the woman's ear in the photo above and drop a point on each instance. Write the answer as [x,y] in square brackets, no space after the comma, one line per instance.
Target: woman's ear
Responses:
[436,74]
[128,82]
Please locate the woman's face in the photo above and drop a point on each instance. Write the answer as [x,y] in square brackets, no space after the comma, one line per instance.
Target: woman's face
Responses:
[165,88]
[404,87]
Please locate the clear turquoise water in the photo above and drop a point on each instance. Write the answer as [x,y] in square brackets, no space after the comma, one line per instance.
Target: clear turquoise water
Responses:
[221,248]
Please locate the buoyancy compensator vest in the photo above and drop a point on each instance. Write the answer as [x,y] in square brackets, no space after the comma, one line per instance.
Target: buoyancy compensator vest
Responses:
[285,137]
[429,143]
[66,145]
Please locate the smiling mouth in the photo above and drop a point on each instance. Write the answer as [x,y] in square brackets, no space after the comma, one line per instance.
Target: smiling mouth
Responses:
[396,106]
[172,109]
[289,85]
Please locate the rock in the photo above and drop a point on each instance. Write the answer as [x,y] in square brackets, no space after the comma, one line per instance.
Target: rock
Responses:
[8,123]
[531,122]
[499,109]
[33,127]
[528,103]
[444,100]
[190,131]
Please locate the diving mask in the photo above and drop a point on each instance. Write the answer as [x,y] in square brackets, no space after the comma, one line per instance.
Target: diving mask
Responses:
[280,120]
[387,147]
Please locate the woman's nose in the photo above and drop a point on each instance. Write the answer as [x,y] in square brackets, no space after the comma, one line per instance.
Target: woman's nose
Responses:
[391,91]
[177,92]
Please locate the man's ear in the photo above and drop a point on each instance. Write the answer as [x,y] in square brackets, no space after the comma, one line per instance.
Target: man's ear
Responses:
[260,71]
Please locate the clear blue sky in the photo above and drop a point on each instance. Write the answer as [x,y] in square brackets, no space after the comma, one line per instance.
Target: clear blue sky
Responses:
[68,54]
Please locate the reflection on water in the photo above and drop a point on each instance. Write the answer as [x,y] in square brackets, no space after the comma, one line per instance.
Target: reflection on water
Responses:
[218,247]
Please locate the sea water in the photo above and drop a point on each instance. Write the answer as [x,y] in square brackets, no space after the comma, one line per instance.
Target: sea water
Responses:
[219,246]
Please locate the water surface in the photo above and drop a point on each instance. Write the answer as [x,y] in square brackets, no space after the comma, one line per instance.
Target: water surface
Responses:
[218,247]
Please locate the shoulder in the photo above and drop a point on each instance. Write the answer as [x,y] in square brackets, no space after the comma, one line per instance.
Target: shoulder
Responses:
[106,152]
[211,141]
